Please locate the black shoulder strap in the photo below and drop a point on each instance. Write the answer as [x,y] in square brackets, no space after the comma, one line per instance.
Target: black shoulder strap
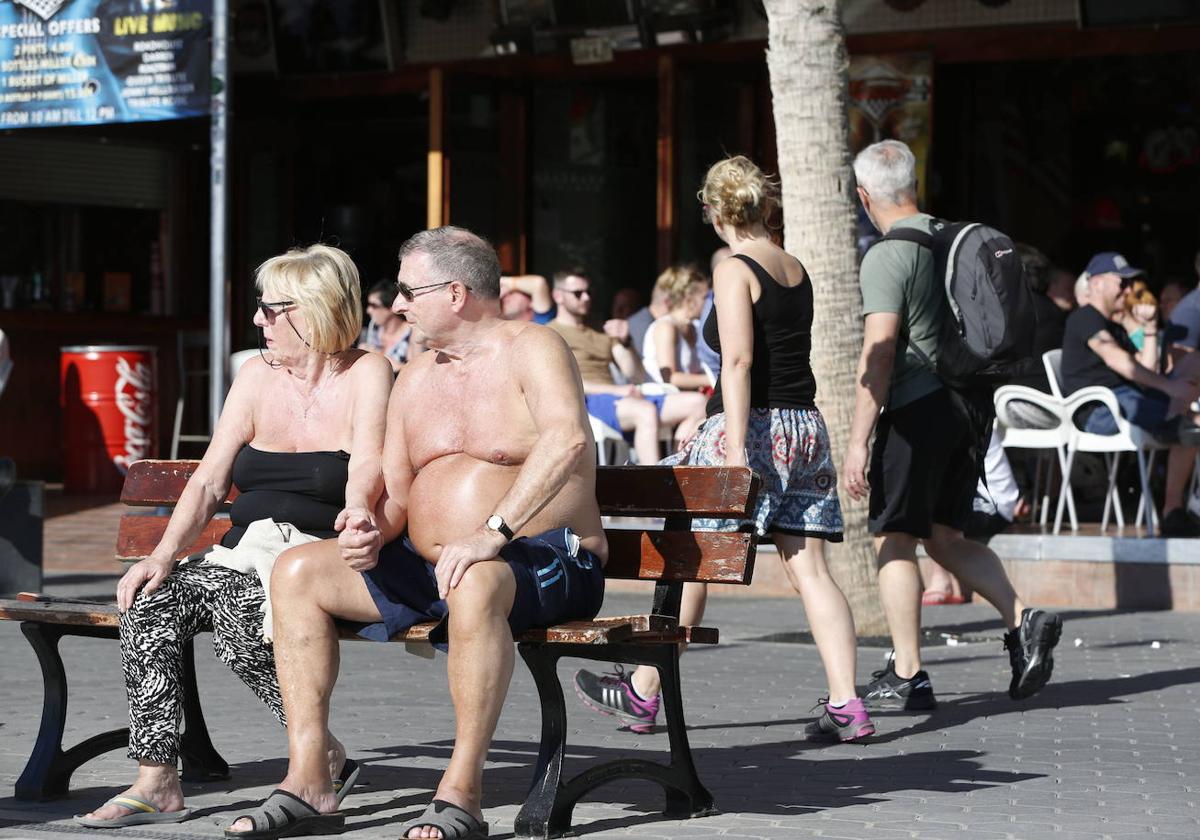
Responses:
[924,240]
[907,234]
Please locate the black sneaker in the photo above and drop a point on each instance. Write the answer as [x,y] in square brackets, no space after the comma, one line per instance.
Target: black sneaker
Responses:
[1030,650]
[889,691]
[1180,523]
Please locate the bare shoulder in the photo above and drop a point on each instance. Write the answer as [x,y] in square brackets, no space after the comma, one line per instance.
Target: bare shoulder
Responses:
[253,377]
[664,326]
[526,338]
[369,367]
[538,354]
[732,271]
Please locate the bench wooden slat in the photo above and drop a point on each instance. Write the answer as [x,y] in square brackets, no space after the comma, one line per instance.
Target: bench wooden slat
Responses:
[620,491]
[156,483]
[659,491]
[138,535]
[680,635]
[633,554]
[680,556]
[50,610]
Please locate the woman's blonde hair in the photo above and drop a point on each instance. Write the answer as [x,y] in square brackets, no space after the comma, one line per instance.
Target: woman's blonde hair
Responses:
[323,282]
[675,282]
[737,193]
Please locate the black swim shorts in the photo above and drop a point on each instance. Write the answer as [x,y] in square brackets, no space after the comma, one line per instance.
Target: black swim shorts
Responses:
[557,581]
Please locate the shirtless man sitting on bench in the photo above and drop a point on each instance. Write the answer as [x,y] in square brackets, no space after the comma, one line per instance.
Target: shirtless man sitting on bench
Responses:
[489,525]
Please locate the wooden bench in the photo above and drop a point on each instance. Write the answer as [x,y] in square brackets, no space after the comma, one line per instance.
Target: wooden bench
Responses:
[668,557]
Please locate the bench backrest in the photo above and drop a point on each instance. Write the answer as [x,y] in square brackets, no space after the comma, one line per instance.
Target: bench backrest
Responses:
[638,552]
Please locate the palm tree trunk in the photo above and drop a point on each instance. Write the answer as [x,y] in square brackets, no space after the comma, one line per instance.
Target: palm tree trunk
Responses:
[807,61]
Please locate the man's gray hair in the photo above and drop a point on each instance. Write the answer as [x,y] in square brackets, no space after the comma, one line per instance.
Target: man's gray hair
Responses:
[887,171]
[458,254]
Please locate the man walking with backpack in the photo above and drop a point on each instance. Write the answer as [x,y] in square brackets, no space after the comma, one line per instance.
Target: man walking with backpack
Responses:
[921,474]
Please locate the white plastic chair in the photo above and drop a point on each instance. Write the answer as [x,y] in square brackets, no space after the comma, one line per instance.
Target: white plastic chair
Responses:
[1012,436]
[1128,438]
[1052,362]
[611,447]
[240,358]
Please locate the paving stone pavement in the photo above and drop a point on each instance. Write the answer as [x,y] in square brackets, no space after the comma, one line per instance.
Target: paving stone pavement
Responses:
[1107,750]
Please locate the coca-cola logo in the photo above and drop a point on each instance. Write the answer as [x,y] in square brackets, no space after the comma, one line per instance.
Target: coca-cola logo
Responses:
[134,392]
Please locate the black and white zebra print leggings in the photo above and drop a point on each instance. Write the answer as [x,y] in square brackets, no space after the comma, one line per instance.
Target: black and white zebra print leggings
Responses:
[197,596]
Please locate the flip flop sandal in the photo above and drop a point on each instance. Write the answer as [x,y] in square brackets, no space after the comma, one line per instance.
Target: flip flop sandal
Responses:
[285,815]
[343,784]
[448,818]
[934,598]
[144,813]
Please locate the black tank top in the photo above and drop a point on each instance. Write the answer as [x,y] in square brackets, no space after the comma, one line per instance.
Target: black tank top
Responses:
[307,489]
[780,376]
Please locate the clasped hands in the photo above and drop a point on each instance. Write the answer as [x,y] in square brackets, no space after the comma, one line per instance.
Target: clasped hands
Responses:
[360,540]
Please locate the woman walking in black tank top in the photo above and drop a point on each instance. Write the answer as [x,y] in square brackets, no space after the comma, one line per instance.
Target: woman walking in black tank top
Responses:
[762,414]
[301,434]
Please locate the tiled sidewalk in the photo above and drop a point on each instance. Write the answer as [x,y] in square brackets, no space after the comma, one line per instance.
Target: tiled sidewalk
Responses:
[1107,752]
[80,532]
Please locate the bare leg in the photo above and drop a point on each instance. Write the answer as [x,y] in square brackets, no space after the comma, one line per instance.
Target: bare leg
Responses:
[645,678]
[640,415]
[937,579]
[1179,471]
[828,613]
[685,410]
[900,591]
[310,586]
[978,567]
[480,667]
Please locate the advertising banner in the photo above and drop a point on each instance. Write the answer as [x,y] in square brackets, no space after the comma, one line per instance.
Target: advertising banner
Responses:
[80,62]
[891,99]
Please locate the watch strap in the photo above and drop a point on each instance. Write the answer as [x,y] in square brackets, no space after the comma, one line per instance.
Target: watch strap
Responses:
[502,527]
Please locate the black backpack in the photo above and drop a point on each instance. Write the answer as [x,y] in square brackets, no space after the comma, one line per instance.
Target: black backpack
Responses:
[988,338]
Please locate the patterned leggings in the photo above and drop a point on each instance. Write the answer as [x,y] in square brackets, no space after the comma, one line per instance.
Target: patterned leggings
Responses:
[197,596]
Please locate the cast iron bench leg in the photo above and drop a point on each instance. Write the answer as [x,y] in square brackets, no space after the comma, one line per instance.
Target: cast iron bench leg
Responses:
[551,801]
[543,815]
[201,761]
[689,797]
[47,774]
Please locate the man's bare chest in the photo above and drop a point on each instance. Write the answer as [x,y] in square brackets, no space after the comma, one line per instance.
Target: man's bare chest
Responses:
[479,415]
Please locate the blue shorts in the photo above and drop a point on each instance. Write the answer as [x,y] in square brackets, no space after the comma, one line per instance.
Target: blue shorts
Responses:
[1146,409]
[557,581]
[604,407]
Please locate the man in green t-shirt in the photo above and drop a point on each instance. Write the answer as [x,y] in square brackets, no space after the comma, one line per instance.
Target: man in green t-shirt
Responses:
[920,476]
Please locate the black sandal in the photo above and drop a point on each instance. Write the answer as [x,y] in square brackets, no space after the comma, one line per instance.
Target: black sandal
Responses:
[448,818]
[283,814]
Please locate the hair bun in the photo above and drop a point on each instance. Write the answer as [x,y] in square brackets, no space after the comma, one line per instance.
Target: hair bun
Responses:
[737,192]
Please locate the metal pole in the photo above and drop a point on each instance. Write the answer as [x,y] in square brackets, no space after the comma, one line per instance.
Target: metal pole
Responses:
[218,341]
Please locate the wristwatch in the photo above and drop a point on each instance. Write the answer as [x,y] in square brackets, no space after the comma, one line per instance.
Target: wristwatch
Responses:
[496,522]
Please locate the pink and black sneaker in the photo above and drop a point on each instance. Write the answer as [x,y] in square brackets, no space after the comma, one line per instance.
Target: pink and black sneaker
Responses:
[848,723]
[613,694]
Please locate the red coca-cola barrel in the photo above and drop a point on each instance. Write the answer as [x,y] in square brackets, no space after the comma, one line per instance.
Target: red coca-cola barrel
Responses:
[109,399]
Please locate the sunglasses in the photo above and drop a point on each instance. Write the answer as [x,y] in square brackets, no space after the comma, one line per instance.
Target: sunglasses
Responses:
[409,292]
[578,292]
[273,309]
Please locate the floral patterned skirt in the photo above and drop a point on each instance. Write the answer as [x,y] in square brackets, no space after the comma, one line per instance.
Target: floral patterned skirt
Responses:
[789,449]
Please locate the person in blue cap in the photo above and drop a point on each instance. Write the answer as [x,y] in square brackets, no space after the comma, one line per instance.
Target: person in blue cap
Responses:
[1097,350]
